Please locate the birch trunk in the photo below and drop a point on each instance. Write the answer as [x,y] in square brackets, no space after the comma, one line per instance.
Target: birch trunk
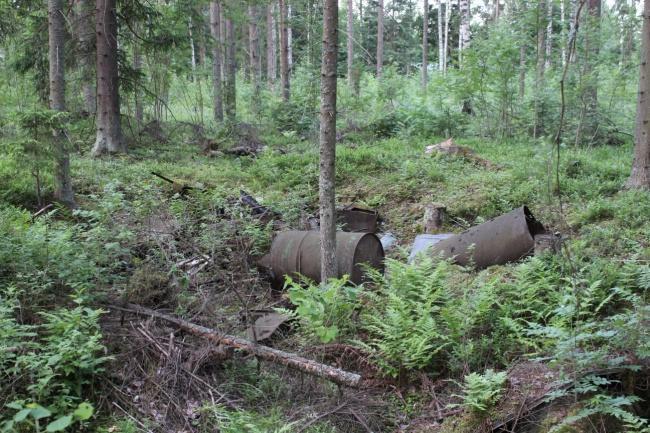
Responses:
[464,32]
[548,51]
[289,39]
[441,44]
[640,175]
[284,51]
[380,37]
[56,35]
[447,17]
[109,127]
[192,48]
[425,45]
[329,267]
[215,32]
[350,42]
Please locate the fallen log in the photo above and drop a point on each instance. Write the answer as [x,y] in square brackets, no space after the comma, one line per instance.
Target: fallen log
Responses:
[292,360]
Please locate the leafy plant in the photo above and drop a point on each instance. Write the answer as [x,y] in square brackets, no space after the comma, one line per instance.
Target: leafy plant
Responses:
[481,392]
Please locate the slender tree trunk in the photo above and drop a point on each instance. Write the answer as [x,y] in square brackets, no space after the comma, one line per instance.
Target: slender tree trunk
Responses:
[271,44]
[137,65]
[215,31]
[109,127]
[380,37]
[522,71]
[85,19]
[425,45]
[284,51]
[447,18]
[56,32]
[289,39]
[640,175]
[563,32]
[464,32]
[230,98]
[192,47]
[548,50]
[254,56]
[592,50]
[329,267]
[350,42]
[441,44]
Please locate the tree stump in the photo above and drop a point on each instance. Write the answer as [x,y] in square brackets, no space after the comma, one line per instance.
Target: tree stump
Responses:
[548,242]
[434,217]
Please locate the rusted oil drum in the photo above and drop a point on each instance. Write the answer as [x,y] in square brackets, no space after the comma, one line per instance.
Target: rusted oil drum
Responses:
[503,239]
[298,252]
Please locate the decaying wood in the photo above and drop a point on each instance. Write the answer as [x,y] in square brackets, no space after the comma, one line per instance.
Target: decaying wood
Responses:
[449,147]
[434,217]
[177,187]
[292,360]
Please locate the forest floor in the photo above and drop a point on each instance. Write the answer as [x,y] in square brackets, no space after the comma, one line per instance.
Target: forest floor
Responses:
[191,252]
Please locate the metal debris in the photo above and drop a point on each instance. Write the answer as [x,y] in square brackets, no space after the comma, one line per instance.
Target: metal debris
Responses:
[388,241]
[504,239]
[357,219]
[424,242]
[266,322]
[298,253]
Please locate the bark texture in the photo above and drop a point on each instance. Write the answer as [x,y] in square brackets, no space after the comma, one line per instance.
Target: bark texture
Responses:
[380,37]
[640,175]
[350,42]
[425,44]
[86,36]
[137,65]
[464,33]
[441,45]
[230,72]
[329,267]
[292,360]
[56,32]
[109,128]
[271,44]
[284,51]
[215,24]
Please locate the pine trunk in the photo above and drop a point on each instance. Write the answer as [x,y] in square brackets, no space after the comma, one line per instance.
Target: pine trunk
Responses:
[380,37]
[271,44]
[425,45]
[329,267]
[350,42]
[215,32]
[640,175]
[56,32]
[284,51]
[230,72]
[289,39]
[109,128]
[86,36]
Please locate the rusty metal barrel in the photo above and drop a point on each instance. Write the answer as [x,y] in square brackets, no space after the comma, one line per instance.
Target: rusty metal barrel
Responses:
[503,239]
[298,252]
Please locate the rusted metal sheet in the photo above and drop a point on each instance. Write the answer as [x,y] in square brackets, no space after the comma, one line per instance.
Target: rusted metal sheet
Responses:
[298,252]
[503,239]
[356,219]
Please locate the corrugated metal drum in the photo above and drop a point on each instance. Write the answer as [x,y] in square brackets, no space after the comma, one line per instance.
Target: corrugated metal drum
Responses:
[298,252]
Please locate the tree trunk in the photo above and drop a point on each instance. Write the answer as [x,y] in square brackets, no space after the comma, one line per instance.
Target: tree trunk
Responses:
[640,175]
[350,42]
[231,72]
[271,45]
[563,32]
[549,34]
[86,36]
[109,128]
[329,267]
[254,56]
[289,39]
[380,37]
[446,49]
[284,51]
[137,65]
[592,50]
[441,45]
[56,32]
[522,71]
[464,33]
[215,24]
[192,47]
[425,45]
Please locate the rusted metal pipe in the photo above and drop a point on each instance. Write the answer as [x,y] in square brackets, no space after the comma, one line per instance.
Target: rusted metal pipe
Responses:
[298,252]
[503,239]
